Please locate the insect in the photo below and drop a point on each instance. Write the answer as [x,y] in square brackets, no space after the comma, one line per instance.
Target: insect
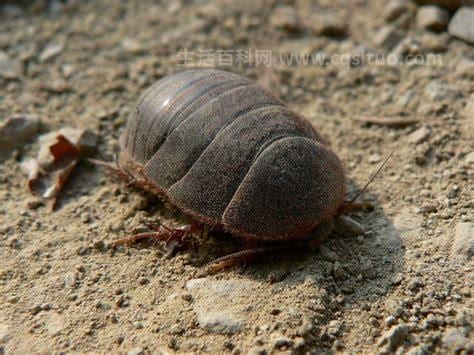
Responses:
[231,156]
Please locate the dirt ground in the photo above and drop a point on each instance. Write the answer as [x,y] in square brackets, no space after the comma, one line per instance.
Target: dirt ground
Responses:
[404,285]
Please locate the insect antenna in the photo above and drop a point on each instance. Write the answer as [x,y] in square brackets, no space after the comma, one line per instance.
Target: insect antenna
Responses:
[347,205]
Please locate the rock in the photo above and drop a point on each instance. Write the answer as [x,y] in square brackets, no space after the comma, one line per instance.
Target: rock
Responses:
[9,68]
[328,254]
[132,46]
[432,18]
[286,18]
[448,4]
[393,338]
[468,110]
[221,305]
[4,333]
[461,25]
[434,43]
[395,9]
[374,158]
[406,47]
[136,351]
[50,51]
[388,37]
[454,340]
[465,70]
[338,271]
[328,25]
[348,227]
[282,341]
[17,131]
[420,135]
[469,159]
[440,92]
[463,245]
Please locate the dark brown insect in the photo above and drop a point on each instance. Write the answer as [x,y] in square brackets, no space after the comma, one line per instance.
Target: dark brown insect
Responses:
[229,154]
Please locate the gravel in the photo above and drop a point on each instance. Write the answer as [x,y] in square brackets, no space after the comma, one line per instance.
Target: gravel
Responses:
[461,26]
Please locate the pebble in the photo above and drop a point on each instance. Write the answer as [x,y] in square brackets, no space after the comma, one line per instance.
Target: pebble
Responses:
[50,51]
[220,304]
[136,351]
[393,338]
[390,320]
[86,217]
[16,131]
[328,254]
[388,37]
[132,46]
[438,92]
[448,4]
[434,42]
[4,333]
[9,68]
[394,9]
[421,135]
[338,271]
[374,158]
[282,342]
[453,339]
[463,245]
[286,18]
[432,18]
[328,25]
[461,25]
[469,158]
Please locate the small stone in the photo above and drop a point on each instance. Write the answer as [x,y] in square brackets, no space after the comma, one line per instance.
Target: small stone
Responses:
[338,271]
[35,309]
[374,158]
[282,342]
[461,25]
[393,338]
[454,340]
[50,51]
[468,111]
[447,4]
[432,18]
[440,92]
[4,333]
[465,71]
[395,9]
[420,135]
[286,18]
[9,68]
[132,46]
[16,131]
[463,245]
[328,254]
[220,304]
[434,42]
[136,351]
[13,299]
[86,217]
[390,320]
[328,25]
[388,37]
[68,70]
[469,158]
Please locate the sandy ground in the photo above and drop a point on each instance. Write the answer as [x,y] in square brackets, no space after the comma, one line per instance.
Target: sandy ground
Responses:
[403,285]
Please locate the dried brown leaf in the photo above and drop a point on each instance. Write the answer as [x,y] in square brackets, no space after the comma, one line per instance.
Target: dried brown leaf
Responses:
[47,182]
